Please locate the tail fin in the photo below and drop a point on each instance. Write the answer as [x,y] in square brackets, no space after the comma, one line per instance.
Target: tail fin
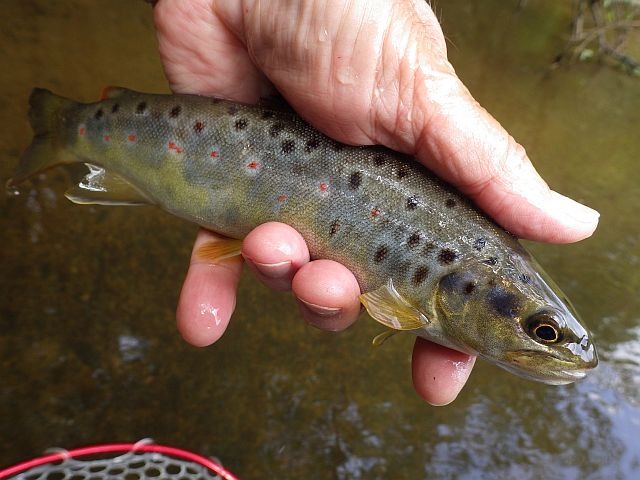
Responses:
[46,149]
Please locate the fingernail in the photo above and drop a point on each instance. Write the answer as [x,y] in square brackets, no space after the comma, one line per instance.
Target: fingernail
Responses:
[321,311]
[443,403]
[324,318]
[576,211]
[272,270]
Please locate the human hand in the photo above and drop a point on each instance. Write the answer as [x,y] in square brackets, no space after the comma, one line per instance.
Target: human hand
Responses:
[362,72]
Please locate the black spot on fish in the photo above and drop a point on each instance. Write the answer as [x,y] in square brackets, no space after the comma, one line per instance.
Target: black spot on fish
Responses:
[524,278]
[98,115]
[413,240]
[503,302]
[175,111]
[491,261]
[288,146]
[115,108]
[381,254]
[450,203]
[428,249]
[461,283]
[379,160]
[232,109]
[311,145]
[198,126]
[268,114]
[337,146]
[355,180]
[402,172]
[335,226]
[215,100]
[412,202]
[241,124]
[447,256]
[480,243]
[275,129]
[141,108]
[420,275]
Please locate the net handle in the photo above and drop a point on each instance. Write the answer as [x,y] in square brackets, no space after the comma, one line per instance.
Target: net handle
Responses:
[121,448]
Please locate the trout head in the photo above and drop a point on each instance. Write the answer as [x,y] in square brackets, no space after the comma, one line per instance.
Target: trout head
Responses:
[517,318]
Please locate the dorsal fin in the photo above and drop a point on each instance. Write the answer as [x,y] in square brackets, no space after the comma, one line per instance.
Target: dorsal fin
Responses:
[275,102]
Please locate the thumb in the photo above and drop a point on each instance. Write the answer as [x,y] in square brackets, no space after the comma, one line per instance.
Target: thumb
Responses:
[466,146]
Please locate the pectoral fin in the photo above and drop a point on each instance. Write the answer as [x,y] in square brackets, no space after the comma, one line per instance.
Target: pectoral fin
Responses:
[389,308]
[102,187]
[219,250]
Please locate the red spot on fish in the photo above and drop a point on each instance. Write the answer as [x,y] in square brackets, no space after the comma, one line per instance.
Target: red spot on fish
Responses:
[252,165]
[107,138]
[282,198]
[81,131]
[174,147]
[375,212]
[131,137]
[214,154]
[324,187]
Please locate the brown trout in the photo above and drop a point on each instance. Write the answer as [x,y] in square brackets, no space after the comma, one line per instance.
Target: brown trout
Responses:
[426,259]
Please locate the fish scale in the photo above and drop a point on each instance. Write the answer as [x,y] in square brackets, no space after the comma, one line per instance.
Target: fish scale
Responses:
[426,259]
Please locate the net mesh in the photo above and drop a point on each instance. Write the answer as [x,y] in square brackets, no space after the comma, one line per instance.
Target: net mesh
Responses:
[130,466]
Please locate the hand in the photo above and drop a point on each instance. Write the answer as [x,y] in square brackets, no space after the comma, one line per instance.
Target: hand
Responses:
[362,72]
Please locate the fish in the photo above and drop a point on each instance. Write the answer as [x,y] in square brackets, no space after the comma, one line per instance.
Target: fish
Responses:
[427,260]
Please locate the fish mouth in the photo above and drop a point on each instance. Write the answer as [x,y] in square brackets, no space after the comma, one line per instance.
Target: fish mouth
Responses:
[528,365]
[563,377]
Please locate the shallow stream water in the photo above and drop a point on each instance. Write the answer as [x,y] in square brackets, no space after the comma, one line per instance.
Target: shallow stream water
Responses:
[88,348]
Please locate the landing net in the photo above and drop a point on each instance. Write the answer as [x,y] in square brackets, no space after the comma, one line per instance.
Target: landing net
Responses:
[121,461]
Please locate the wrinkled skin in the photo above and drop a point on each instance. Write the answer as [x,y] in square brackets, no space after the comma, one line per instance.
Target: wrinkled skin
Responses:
[362,72]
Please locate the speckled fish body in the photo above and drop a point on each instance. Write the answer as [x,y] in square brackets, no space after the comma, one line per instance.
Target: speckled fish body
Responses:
[427,260]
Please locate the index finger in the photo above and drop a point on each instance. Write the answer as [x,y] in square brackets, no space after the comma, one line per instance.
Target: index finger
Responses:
[208,296]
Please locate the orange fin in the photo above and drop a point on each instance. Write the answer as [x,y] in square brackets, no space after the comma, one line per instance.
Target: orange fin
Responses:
[112,92]
[391,309]
[219,250]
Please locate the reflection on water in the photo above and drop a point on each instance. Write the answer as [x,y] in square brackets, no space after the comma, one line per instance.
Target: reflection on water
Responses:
[627,354]
[10,189]
[88,351]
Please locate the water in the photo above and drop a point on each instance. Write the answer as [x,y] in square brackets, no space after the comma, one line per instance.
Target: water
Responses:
[88,347]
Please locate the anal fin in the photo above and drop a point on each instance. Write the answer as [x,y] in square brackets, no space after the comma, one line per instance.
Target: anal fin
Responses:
[102,187]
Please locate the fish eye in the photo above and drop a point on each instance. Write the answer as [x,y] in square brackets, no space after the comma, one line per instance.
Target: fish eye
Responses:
[544,329]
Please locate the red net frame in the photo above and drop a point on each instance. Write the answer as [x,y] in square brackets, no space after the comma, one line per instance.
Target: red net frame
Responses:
[117,448]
